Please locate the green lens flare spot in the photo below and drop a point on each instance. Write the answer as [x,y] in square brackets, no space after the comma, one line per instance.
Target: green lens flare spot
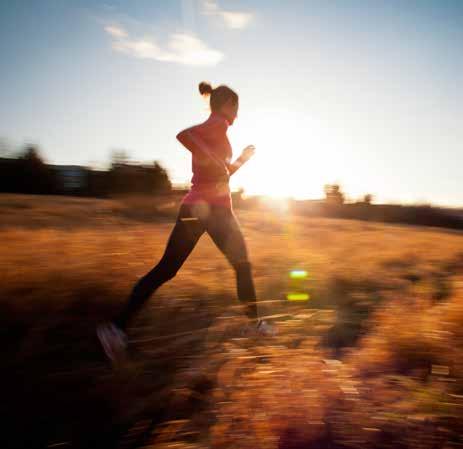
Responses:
[298,296]
[298,274]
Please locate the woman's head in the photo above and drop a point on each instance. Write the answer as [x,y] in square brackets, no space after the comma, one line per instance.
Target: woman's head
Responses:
[222,99]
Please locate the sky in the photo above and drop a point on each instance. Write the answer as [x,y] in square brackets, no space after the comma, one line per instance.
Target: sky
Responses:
[364,93]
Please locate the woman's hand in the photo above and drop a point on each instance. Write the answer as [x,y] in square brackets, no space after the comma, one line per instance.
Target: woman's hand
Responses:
[247,153]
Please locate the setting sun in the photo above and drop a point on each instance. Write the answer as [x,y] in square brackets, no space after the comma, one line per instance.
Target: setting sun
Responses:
[295,154]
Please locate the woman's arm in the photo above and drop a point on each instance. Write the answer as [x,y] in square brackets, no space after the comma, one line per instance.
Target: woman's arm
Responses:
[247,153]
[190,140]
[233,167]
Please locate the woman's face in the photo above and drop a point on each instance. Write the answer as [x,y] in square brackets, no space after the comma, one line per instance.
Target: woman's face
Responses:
[230,110]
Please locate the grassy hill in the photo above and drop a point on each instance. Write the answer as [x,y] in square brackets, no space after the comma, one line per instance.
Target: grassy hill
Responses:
[372,360]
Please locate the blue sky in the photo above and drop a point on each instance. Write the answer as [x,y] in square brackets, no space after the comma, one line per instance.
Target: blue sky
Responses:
[365,93]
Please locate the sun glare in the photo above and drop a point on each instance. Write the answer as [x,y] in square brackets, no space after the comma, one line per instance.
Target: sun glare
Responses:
[295,155]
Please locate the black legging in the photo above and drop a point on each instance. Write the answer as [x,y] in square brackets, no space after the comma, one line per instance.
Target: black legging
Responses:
[192,221]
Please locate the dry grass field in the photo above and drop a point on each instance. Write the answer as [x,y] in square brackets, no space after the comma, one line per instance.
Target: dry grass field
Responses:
[372,360]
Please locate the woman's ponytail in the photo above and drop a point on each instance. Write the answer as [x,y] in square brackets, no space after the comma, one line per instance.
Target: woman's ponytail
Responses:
[205,88]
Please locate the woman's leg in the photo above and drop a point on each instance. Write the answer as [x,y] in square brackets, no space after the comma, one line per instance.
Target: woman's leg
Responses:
[183,238]
[225,231]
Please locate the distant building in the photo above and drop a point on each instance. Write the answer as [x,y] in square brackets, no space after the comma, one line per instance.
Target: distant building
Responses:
[71,178]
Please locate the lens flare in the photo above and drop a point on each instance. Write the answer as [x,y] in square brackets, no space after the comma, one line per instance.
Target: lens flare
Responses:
[298,296]
[297,287]
[298,274]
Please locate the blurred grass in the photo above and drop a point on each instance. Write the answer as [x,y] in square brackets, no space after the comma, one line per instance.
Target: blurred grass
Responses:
[356,366]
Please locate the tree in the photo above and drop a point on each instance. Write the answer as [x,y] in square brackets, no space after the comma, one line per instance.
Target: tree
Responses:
[31,154]
[126,177]
[161,181]
[333,194]
[34,176]
[119,157]
[368,198]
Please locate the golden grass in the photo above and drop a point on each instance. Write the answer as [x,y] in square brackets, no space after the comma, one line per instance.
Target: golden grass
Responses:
[372,360]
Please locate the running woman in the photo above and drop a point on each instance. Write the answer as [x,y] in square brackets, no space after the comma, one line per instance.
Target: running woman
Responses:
[206,208]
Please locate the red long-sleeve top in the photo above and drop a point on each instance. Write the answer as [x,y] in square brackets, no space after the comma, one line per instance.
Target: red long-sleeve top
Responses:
[211,157]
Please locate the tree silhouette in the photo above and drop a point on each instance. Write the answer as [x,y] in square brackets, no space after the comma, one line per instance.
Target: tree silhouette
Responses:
[127,177]
[161,181]
[119,157]
[333,194]
[33,175]
[368,198]
[28,173]
[32,155]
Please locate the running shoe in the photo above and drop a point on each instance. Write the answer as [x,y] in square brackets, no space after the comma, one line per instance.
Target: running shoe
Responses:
[266,329]
[113,340]
[262,328]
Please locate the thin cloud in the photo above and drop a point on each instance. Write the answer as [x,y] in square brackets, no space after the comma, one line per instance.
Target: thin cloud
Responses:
[115,31]
[232,19]
[236,20]
[181,48]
